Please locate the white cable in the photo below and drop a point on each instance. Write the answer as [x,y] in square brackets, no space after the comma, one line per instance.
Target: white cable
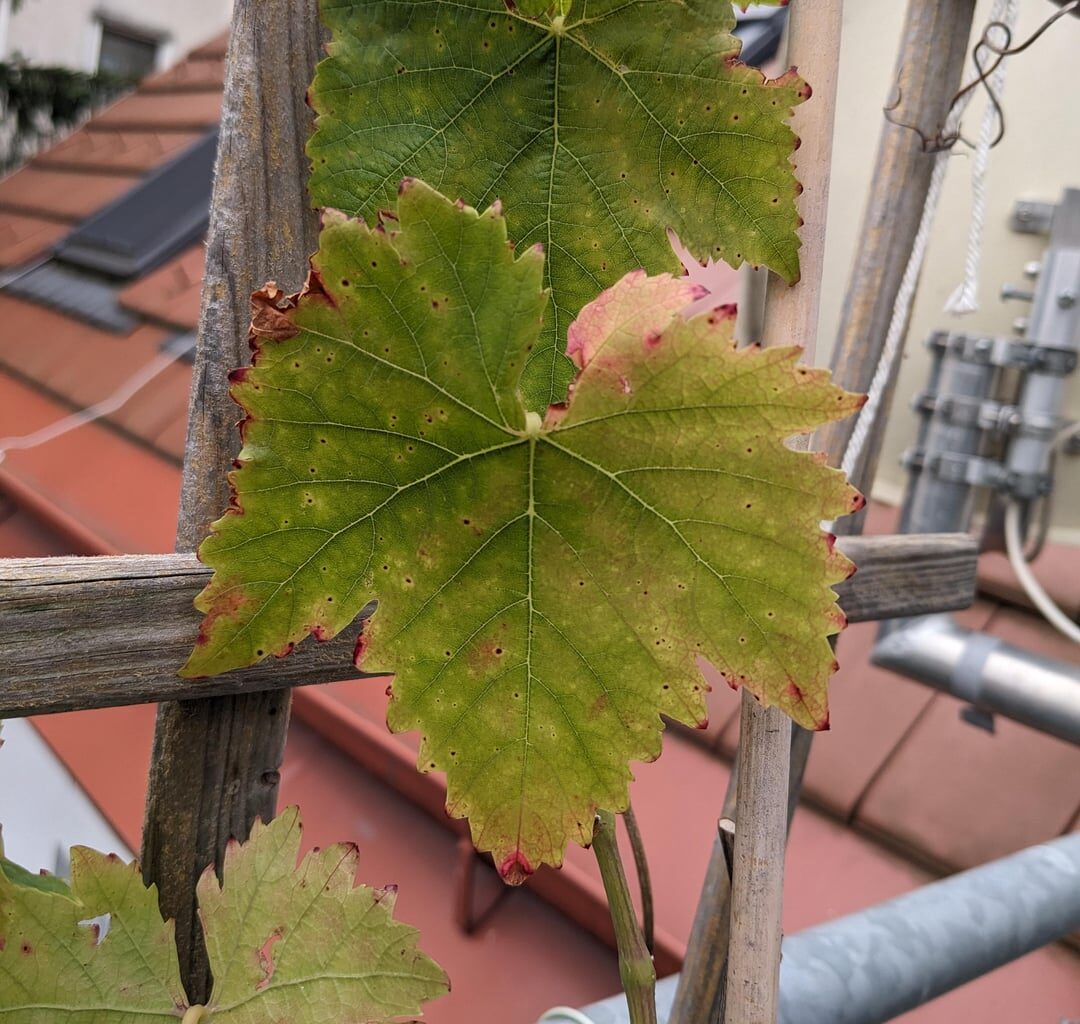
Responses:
[565,1013]
[1032,587]
[965,299]
[134,383]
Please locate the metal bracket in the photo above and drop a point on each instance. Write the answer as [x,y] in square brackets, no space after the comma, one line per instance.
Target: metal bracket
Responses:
[961,411]
[1005,352]
[976,471]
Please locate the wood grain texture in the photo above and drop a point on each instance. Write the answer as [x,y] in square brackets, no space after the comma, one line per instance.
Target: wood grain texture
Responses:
[757,876]
[216,762]
[125,624]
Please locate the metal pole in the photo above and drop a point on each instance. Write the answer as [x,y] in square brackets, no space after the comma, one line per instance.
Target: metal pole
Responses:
[986,672]
[870,967]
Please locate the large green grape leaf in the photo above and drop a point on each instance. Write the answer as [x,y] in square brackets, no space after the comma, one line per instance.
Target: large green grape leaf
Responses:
[285,942]
[598,123]
[545,588]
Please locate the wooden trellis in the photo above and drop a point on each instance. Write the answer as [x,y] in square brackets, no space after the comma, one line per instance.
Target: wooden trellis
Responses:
[92,632]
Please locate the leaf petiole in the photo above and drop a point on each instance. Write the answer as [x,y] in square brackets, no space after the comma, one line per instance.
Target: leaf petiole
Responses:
[636,967]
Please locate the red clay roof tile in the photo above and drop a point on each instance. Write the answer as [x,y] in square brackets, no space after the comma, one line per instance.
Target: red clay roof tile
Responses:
[60,195]
[23,237]
[102,149]
[170,294]
[117,490]
[962,796]
[77,362]
[206,74]
[872,713]
[163,111]
[23,536]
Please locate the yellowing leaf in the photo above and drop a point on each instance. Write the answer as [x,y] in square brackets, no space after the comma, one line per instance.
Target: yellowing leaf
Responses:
[598,124]
[546,588]
[310,946]
[300,944]
[55,964]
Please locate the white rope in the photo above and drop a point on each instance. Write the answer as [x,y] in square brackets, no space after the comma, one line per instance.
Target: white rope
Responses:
[134,383]
[1003,9]
[902,307]
[965,299]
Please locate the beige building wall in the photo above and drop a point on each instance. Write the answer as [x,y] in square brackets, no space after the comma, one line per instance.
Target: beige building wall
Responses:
[1039,156]
[67,33]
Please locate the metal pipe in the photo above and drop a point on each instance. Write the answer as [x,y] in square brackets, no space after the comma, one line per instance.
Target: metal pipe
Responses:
[986,672]
[872,966]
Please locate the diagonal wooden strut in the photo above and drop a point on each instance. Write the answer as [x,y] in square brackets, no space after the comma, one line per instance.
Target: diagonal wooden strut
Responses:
[124,624]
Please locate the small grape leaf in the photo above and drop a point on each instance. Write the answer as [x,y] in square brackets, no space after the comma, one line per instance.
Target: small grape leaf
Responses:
[599,126]
[546,589]
[55,964]
[285,942]
[311,947]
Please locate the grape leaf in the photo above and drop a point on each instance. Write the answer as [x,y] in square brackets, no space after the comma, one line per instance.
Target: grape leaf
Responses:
[55,964]
[599,124]
[545,588]
[285,943]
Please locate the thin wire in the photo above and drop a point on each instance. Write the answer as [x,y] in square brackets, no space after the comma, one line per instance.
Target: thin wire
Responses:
[154,368]
[948,137]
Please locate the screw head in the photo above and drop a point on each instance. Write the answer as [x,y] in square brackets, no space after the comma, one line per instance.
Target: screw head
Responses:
[1066,299]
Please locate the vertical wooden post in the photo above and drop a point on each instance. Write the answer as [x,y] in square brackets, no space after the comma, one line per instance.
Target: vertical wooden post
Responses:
[929,67]
[791,314]
[215,761]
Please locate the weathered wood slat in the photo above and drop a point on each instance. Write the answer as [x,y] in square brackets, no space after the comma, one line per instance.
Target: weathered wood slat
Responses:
[215,763]
[908,574]
[121,626]
[96,632]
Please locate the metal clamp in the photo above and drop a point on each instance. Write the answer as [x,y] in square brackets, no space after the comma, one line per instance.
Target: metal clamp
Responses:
[1005,352]
[976,471]
[963,411]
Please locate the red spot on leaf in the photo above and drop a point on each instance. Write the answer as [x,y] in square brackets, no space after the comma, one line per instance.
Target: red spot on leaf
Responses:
[721,314]
[404,185]
[652,340]
[265,954]
[228,604]
[830,542]
[320,632]
[824,724]
[26,949]
[515,868]
[360,649]
[702,725]
[857,503]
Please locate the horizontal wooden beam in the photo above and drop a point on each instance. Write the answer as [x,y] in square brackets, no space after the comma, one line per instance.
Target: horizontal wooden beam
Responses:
[908,574]
[78,633]
[96,632]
